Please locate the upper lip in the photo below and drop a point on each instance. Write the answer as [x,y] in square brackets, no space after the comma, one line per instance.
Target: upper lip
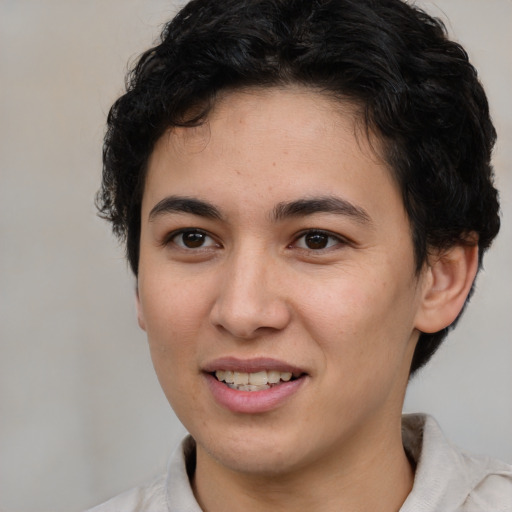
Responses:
[253,365]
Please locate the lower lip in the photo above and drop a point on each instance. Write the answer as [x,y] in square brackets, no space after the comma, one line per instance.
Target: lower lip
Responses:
[252,402]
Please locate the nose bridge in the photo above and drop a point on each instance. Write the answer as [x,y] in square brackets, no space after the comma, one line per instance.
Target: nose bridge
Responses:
[249,300]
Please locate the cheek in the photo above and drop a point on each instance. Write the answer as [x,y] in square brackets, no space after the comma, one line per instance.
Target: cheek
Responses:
[173,321]
[341,307]
[360,319]
[173,310]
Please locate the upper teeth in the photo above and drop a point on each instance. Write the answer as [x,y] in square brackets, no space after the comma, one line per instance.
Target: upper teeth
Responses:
[257,378]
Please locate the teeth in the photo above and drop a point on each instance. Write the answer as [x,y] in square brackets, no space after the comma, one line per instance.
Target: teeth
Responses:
[252,387]
[240,378]
[256,381]
[225,376]
[273,377]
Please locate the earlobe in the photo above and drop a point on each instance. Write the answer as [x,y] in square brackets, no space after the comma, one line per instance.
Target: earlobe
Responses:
[447,283]
[140,313]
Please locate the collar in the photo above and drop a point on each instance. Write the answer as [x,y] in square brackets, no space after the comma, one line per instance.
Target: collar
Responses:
[446,478]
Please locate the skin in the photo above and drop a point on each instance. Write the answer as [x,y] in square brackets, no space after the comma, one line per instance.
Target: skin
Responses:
[346,311]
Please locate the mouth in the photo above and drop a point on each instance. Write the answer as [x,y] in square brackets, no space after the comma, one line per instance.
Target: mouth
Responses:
[254,381]
[253,386]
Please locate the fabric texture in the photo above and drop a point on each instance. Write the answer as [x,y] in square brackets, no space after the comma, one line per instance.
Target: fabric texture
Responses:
[446,479]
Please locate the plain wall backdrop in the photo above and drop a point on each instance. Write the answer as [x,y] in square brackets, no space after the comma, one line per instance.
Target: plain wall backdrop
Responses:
[82,416]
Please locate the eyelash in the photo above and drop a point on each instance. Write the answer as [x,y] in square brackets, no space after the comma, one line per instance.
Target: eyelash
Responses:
[171,239]
[331,240]
[338,240]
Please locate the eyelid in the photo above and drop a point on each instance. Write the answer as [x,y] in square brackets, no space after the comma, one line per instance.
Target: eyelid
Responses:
[341,240]
[169,238]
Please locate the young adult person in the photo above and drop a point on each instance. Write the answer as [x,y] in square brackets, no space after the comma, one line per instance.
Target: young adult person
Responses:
[306,195]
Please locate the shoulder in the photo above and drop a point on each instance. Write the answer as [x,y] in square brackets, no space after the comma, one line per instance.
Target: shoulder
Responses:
[490,483]
[170,492]
[450,479]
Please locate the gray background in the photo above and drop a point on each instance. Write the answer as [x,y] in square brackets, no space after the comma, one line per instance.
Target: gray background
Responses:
[81,414]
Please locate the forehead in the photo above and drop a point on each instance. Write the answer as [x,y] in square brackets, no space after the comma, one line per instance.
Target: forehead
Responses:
[260,146]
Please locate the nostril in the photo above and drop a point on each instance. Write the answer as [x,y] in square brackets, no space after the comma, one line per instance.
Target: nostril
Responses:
[250,319]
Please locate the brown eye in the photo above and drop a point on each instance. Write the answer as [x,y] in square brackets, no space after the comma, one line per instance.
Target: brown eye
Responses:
[193,239]
[317,240]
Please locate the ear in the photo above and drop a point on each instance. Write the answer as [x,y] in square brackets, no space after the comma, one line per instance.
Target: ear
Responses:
[140,313]
[448,278]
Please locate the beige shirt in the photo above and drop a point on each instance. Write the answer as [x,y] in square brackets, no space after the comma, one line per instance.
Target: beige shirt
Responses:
[446,479]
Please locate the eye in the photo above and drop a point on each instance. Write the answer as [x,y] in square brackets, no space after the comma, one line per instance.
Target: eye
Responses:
[192,239]
[316,240]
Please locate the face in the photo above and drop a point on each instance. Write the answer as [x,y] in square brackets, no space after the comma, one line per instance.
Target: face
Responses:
[277,282]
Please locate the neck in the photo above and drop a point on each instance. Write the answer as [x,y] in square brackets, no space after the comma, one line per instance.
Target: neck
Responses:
[370,476]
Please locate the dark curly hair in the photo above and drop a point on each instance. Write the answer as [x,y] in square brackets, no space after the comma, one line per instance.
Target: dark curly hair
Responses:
[417,93]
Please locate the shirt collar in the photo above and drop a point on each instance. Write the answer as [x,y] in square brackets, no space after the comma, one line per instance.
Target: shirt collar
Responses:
[444,475]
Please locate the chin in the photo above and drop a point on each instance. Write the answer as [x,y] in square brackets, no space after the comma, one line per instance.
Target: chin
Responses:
[253,452]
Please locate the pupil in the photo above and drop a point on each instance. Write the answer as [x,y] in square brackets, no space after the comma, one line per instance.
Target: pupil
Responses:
[316,241]
[193,239]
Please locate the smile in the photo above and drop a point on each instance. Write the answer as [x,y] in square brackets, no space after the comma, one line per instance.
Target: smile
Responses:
[256,381]
[253,386]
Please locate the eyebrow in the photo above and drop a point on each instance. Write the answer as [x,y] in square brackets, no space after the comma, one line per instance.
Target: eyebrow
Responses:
[180,204]
[324,204]
[299,208]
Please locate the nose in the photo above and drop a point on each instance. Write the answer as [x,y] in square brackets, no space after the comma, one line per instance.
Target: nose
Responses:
[251,300]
